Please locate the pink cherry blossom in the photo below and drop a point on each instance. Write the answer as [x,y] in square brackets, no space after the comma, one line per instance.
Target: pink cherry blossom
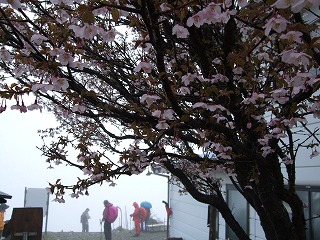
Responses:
[77,64]
[55,52]
[266,151]
[145,66]
[293,121]
[186,79]
[59,200]
[287,161]
[5,55]
[280,95]
[38,39]
[110,35]
[23,108]
[295,58]
[86,31]
[3,107]
[60,83]
[219,78]
[168,114]
[63,16]
[180,31]
[74,195]
[157,113]
[113,184]
[214,108]
[226,15]
[34,106]
[292,36]
[227,3]
[65,58]
[162,125]
[97,177]
[278,24]
[242,3]
[81,158]
[42,87]
[199,105]
[282,4]
[263,56]
[149,99]
[195,20]
[16,106]
[298,83]
[314,153]
[315,109]
[86,171]
[296,5]
[16,4]
[164,7]
[183,90]
[253,98]
[217,61]
[238,70]
[79,108]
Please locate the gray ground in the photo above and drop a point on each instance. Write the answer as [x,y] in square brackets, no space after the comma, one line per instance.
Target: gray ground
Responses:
[116,235]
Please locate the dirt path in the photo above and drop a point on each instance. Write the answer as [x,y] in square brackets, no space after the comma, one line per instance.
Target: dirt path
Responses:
[116,235]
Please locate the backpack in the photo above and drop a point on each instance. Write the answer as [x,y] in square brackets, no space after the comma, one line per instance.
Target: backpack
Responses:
[83,218]
[113,214]
[143,214]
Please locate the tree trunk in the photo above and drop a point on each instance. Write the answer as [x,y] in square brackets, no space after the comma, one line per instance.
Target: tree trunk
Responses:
[226,213]
[212,222]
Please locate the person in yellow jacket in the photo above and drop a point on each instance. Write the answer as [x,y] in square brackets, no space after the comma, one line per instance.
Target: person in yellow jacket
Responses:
[3,208]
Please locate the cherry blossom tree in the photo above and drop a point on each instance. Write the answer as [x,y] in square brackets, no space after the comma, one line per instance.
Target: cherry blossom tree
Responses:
[197,87]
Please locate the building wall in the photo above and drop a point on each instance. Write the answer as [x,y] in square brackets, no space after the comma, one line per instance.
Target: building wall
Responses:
[189,217]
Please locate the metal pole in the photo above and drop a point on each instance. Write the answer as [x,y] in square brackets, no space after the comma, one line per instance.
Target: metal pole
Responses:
[47,213]
[25,197]
[120,217]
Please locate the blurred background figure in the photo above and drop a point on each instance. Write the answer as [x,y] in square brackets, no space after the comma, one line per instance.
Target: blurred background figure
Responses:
[3,208]
[136,218]
[147,206]
[85,220]
[168,209]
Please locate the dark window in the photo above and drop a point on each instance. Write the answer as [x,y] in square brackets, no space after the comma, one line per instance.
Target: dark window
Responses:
[239,207]
[310,197]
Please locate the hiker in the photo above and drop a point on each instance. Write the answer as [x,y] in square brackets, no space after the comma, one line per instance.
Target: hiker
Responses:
[168,209]
[7,230]
[136,218]
[146,205]
[3,208]
[109,215]
[84,220]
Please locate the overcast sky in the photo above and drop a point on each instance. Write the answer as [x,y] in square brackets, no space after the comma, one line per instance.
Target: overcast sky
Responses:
[22,166]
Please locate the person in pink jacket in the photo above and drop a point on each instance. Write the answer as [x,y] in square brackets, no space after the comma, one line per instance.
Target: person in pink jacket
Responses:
[107,224]
[136,218]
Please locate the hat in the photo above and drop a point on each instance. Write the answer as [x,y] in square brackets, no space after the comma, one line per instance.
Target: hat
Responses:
[3,206]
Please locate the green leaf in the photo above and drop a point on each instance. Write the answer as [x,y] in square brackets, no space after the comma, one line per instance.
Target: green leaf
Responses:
[88,17]
[185,118]
[115,14]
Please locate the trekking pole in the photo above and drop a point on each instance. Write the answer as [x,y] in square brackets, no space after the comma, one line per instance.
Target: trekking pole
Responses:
[100,229]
